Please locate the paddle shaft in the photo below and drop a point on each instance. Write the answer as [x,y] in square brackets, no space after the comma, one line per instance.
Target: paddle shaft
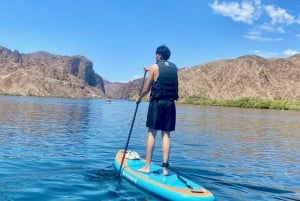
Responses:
[132,123]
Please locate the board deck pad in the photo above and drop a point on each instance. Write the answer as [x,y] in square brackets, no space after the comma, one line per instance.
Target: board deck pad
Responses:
[170,187]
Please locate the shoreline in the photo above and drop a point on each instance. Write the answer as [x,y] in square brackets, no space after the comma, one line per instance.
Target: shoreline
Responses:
[245,103]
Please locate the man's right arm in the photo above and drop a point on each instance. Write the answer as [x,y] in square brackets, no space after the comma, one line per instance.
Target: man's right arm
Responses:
[148,82]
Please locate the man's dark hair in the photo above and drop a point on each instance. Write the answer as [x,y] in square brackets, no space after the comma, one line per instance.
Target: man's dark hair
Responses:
[164,51]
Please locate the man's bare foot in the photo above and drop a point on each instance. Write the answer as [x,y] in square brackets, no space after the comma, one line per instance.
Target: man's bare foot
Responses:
[165,168]
[165,171]
[144,170]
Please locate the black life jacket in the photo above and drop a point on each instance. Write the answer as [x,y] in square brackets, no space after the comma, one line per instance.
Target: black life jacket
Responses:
[166,85]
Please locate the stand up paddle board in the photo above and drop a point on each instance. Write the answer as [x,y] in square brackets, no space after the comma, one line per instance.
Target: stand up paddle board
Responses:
[170,187]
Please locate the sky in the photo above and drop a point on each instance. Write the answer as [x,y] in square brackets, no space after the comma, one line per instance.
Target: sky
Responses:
[120,37]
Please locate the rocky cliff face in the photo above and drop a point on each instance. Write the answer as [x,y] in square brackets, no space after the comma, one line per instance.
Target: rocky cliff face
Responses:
[128,90]
[44,74]
[246,76]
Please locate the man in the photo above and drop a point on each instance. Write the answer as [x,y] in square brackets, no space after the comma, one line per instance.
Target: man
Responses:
[163,82]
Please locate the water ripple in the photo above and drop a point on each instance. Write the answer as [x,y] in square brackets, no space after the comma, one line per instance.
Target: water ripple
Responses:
[63,149]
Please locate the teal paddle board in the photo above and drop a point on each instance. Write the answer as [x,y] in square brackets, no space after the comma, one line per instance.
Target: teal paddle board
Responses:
[170,187]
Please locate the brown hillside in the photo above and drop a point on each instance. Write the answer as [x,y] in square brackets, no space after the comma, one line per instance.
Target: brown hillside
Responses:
[246,76]
[44,74]
[112,88]
[128,90]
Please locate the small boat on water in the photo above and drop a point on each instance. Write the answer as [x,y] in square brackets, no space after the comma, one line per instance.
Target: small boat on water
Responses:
[109,101]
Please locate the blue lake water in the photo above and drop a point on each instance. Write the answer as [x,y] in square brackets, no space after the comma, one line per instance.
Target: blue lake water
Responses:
[63,149]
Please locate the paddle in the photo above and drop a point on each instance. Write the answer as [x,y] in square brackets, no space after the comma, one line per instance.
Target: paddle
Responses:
[132,123]
[186,183]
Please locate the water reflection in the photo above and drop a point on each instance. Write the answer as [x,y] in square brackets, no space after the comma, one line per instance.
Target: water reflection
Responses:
[44,142]
[33,116]
[31,127]
[246,144]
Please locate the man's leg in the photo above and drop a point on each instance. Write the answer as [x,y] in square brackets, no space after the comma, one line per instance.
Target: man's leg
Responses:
[166,146]
[149,150]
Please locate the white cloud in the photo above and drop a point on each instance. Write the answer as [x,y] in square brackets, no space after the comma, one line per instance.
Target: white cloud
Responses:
[258,52]
[257,2]
[261,53]
[250,11]
[271,28]
[244,12]
[290,52]
[256,33]
[256,36]
[279,15]
[136,77]
[265,54]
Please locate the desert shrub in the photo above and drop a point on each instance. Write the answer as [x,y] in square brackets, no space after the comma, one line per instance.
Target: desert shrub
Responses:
[246,102]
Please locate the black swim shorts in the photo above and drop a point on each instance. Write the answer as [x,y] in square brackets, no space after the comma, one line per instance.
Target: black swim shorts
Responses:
[161,115]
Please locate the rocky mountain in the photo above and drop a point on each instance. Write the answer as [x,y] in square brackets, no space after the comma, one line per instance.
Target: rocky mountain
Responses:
[45,74]
[246,76]
[112,88]
[128,90]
